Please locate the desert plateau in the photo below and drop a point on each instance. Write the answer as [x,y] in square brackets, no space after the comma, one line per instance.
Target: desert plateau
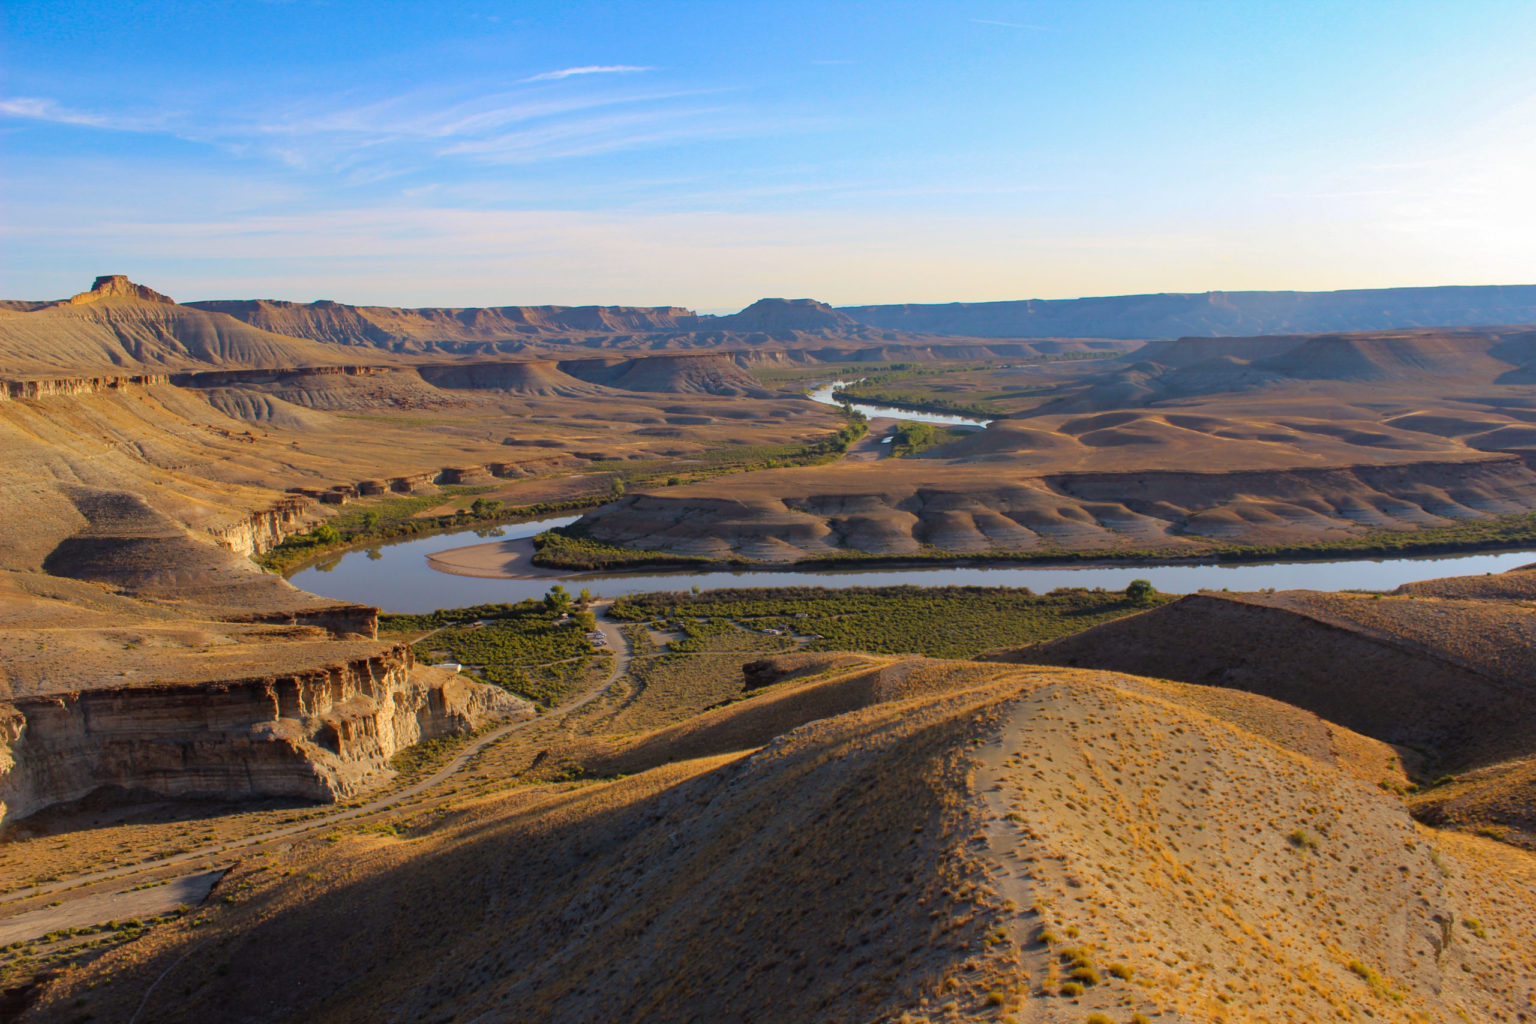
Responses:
[601,513]
[810,802]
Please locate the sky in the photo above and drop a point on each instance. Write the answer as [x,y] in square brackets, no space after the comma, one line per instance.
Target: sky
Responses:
[706,154]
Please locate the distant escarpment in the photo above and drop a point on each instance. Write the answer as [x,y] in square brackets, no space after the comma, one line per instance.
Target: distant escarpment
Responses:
[445,329]
[320,734]
[50,387]
[517,328]
[1211,314]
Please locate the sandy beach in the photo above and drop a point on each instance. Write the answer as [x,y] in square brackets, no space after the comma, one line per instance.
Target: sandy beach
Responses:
[501,559]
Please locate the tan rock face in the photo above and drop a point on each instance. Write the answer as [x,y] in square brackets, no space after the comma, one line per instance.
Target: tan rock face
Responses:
[109,286]
[319,735]
[263,530]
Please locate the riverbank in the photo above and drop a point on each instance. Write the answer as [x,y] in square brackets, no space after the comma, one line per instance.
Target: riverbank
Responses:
[1507,533]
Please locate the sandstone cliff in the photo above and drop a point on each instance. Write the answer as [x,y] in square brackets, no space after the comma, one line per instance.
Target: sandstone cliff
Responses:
[320,734]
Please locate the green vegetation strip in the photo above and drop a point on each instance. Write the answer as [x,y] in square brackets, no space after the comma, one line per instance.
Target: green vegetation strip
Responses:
[535,649]
[911,438]
[941,622]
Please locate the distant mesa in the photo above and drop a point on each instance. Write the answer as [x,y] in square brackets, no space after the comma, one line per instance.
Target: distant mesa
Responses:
[787,315]
[1212,314]
[117,286]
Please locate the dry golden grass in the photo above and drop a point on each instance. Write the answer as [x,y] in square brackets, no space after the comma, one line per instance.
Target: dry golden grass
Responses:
[873,837]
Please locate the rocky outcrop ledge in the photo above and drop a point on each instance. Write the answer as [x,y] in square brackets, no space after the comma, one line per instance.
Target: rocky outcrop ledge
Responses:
[321,734]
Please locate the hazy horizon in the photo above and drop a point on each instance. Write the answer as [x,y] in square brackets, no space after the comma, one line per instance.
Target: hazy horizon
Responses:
[468,154]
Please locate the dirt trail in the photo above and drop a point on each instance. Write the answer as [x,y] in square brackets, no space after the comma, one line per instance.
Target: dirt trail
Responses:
[188,891]
[105,906]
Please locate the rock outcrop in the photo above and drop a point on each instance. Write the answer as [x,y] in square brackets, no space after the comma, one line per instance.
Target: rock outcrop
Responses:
[264,529]
[321,734]
[117,286]
[56,386]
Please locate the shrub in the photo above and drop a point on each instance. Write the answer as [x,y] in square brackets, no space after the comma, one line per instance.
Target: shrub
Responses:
[1085,974]
[996,997]
[1098,1018]
[1299,839]
[1140,592]
[1120,971]
[1071,989]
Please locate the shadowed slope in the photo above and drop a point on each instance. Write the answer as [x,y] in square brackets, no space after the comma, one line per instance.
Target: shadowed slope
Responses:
[868,864]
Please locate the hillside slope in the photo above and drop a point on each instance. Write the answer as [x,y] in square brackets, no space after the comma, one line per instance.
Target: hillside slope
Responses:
[120,324]
[904,859]
[1446,680]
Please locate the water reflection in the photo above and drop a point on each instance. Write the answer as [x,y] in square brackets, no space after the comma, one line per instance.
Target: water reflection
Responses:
[401,580]
[824,396]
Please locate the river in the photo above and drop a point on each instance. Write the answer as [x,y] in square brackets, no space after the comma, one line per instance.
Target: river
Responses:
[824,396]
[397,577]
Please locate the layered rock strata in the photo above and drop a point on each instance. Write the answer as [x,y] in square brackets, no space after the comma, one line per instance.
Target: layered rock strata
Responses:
[320,734]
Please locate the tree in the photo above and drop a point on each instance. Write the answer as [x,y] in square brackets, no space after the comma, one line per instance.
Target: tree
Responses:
[557,600]
[617,487]
[1140,592]
[370,520]
[325,533]
[584,598]
[586,620]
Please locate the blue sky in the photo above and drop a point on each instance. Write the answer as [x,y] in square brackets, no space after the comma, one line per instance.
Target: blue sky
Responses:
[709,153]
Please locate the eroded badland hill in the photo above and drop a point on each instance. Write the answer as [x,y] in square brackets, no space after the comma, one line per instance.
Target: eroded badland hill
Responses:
[224,798]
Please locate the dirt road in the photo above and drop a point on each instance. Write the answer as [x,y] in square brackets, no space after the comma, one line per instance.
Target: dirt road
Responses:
[94,907]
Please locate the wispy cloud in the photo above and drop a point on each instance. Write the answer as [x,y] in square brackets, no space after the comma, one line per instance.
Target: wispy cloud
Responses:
[1002,24]
[588,69]
[386,137]
[34,108]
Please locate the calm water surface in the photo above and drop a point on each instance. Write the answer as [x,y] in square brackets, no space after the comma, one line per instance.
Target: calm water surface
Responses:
[397,578]
[824,396]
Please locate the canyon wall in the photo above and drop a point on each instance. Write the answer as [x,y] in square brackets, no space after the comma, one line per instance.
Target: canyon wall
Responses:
[264,529]
[322,734]
[54,386]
